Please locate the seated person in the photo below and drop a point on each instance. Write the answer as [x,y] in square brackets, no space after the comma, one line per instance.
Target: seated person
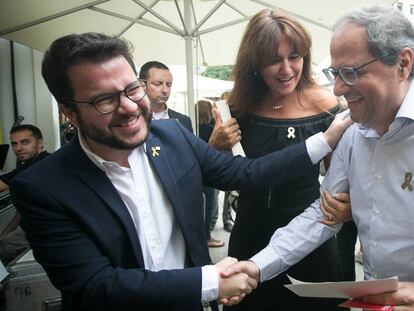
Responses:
[27,144]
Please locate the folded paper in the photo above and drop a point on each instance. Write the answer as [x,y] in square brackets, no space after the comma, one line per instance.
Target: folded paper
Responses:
[342,289]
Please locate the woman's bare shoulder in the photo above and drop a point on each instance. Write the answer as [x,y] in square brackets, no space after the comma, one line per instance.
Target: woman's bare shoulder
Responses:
[322,98]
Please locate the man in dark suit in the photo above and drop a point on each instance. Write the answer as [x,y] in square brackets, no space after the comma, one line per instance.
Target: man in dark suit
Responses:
[159,82]
[114,215]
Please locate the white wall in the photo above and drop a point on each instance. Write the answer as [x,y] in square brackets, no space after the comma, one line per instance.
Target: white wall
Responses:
[6,98]
[407,7]
[35,103]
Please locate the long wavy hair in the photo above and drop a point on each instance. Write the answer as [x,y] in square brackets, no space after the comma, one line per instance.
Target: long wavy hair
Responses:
[259,48]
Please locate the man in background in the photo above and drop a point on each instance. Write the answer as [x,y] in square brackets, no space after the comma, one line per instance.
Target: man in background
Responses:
[159,82]
[27,144]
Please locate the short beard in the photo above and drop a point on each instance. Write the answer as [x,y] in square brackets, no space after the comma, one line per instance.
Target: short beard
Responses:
[113,141]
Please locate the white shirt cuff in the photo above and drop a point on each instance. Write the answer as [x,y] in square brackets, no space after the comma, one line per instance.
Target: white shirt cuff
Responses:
[317,147]
[209,284]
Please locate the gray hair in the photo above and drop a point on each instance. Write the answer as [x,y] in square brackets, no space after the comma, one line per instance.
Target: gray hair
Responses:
[388,30]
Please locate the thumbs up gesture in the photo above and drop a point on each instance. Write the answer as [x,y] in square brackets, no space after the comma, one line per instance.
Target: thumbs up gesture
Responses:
[226,134]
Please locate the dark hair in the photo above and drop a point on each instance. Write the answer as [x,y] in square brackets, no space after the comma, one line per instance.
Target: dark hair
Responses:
[28,127]
[75,49]
[259,48]
[144,71]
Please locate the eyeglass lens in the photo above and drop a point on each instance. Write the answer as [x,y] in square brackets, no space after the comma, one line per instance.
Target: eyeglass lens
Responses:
[135,91]
[348,74]
[110,102]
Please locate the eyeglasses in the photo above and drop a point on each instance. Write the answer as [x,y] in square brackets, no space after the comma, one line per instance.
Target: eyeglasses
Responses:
[107,103]
[349,74]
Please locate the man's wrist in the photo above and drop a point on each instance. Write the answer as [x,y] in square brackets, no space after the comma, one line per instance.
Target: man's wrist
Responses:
[317,147]
[209,283]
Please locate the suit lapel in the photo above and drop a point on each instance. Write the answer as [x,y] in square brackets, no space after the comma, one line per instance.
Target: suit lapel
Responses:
[172,114]
[98,182]
[159,159]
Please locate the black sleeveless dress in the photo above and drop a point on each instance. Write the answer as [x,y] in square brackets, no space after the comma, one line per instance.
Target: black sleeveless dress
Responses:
[261,212]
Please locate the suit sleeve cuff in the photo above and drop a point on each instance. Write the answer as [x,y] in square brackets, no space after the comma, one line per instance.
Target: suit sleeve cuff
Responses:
[209,285]
[317,147]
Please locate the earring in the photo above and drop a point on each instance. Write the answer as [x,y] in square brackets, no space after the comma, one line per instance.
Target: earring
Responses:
[255,73]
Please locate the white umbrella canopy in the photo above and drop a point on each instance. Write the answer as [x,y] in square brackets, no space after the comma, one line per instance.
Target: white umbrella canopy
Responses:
[191,32]
[156,27]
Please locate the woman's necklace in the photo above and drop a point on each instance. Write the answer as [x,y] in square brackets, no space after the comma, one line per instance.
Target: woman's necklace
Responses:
[277,107]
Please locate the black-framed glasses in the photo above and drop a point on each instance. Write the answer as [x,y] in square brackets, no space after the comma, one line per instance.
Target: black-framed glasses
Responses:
[109,102]
[349,74]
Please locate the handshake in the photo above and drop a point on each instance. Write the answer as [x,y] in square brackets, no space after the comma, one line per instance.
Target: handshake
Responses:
[235,280]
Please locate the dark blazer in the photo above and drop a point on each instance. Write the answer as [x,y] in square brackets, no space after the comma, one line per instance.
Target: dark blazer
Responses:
[184,120]
[83,236]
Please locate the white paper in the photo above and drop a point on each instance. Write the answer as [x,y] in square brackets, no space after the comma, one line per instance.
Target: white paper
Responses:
[225,115]
[342,289]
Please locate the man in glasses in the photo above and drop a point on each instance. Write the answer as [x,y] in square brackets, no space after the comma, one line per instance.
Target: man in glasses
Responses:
[372,59]
[115,216]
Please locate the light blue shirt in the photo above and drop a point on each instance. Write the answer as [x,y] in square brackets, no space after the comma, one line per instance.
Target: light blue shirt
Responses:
[372,169]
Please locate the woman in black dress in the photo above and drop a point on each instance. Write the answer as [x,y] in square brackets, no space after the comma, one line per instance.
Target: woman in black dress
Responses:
[277,103]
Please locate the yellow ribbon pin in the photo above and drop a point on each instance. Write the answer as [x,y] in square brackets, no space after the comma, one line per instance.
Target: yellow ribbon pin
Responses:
[155,150]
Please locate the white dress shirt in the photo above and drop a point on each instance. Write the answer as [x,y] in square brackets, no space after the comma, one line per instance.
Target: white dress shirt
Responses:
[160,115]
[372,169]
[160,237]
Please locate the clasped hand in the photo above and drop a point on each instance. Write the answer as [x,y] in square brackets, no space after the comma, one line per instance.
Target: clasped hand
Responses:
[236,280]
[335,209]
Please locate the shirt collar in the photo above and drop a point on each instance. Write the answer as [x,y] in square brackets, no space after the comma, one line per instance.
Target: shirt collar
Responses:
[407,107]
[406,111]
[160,115]
[98,161]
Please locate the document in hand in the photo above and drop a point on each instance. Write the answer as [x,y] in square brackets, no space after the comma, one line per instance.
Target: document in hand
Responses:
[342,289]
[224,109]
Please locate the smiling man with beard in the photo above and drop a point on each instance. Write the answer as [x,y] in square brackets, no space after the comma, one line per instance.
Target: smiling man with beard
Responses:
[114,216]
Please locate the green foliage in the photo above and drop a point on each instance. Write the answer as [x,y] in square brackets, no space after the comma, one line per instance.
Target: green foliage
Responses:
[222,72]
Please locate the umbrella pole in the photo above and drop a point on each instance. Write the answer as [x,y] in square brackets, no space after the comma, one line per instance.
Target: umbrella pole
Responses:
[189,62]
